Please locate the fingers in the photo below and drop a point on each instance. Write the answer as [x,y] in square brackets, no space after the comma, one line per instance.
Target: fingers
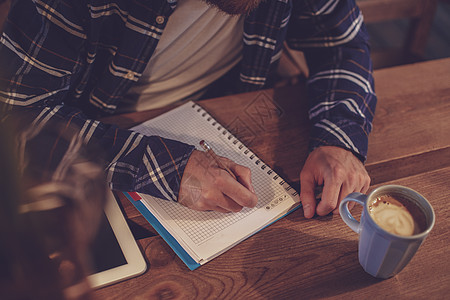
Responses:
[206,186]
[226,204]
[236,191]
[353,183]
[208,200]
[225,195]
[330,193]
[220,209]
[362,186]
[366,184]
[242,173]
[345,189]
[219,202]
[307,196]
[240,191]
[341,174]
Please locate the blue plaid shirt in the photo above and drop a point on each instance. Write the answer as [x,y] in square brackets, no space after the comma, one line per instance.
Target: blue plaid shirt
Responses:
[74,60]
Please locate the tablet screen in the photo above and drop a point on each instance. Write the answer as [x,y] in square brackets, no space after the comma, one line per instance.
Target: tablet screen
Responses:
[115,255]
[103,260]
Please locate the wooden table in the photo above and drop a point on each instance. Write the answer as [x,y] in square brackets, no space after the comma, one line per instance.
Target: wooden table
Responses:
[297,258]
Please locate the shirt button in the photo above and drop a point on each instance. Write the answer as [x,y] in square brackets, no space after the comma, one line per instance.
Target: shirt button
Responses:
[129,75]
[160,19]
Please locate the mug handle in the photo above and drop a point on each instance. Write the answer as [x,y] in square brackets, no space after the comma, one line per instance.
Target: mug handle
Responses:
[345,213]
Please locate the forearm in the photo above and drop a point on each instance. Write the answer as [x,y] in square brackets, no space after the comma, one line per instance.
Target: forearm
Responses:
[133,162]
[342,99]
[340,87]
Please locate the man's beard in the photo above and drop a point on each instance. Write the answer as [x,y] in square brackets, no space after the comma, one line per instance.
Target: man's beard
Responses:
[235,7]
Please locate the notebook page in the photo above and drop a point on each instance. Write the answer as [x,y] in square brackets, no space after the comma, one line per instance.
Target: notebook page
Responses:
[206,234]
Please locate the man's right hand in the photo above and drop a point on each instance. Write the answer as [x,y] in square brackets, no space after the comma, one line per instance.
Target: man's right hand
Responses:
[205,186]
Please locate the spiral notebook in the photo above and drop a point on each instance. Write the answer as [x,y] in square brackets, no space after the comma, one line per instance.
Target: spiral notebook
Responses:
[198,237]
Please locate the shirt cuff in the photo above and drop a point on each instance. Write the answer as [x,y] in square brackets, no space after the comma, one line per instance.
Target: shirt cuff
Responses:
[345,134]
[162,168]
[154,167]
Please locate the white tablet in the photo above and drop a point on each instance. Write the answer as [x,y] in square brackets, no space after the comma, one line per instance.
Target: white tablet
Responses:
[115,254]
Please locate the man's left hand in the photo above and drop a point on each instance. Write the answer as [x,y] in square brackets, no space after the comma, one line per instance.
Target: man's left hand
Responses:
[339,171]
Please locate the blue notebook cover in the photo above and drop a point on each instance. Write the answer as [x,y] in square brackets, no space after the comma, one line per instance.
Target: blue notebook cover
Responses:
[170,240]
[185,257]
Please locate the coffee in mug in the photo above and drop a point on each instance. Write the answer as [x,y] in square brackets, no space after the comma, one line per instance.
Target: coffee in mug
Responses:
[397,215]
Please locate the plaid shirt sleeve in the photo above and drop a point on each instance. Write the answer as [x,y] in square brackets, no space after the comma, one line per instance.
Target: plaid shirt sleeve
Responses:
[332,35]
[40,58]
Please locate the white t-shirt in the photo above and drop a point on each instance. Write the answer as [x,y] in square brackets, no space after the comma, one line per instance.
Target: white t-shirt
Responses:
[198,46]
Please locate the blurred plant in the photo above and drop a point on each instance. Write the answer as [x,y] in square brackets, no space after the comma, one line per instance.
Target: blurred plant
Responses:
[52,198]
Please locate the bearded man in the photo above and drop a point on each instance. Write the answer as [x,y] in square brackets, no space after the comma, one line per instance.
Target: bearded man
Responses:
[75,61]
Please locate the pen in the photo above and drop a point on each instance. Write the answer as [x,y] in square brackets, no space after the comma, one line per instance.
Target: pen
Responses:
[210,151]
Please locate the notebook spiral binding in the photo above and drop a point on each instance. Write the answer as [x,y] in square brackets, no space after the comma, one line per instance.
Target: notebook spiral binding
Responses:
[241,147]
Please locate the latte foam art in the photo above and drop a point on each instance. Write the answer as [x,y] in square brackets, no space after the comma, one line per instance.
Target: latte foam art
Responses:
[393,217]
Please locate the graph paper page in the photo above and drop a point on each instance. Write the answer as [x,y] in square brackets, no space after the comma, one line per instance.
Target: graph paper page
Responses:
[204,235]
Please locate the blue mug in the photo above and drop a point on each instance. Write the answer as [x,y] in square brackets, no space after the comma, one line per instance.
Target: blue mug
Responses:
[383,254]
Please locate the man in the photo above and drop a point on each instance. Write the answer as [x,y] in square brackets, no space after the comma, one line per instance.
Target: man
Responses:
[77,60]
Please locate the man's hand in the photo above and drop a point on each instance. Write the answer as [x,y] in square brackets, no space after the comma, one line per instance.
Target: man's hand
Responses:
[340,172]
[205,186]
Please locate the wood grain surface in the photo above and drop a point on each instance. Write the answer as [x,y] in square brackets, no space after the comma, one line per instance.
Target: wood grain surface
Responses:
[296,258]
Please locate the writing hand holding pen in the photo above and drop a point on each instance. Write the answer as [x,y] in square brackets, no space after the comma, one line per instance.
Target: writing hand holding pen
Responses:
[212,182]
